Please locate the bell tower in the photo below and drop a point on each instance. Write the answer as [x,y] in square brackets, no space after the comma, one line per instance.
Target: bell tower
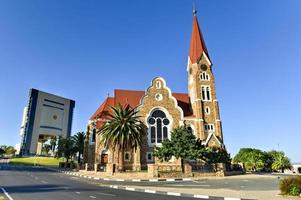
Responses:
[201,90]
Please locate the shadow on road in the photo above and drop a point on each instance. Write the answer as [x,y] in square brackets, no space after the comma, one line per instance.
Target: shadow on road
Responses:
[41,188]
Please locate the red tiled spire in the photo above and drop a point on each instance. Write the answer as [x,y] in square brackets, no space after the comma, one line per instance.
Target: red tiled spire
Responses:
[197,43]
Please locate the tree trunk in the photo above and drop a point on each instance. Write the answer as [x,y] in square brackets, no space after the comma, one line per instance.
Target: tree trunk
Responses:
[78,159]
[182,165]
[121,160]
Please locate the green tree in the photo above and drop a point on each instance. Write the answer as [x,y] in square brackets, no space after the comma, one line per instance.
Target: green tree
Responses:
[65,148]
[1,152]
[46,148]
[253,159]
[281,162]
[9,150]
[216,155]
[79,143]
[123,130]
[182,145]
[53,144]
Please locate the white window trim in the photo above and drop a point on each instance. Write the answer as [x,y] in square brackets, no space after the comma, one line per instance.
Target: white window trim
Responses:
[204,76]
[129,153]
[210,126]
[91,137]
[150,160]
[209,110]
[169,126]
[205,97]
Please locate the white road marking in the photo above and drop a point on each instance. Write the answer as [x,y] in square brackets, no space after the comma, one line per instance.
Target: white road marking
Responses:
[77,192]
[150,191]
[174,193]
[130,189]
[92,197]
[245,180]
[200,196]
[229,198]
[106,194]
[6,194]
[44,181]
[199,181]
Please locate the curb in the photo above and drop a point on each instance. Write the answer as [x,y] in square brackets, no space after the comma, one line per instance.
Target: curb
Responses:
[124,180]
[198,196]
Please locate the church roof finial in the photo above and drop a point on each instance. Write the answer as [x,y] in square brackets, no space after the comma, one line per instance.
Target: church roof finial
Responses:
[194,11]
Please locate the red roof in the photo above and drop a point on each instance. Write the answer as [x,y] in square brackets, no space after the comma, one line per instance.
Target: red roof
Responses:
[133,97]
[103,108]
[197,43]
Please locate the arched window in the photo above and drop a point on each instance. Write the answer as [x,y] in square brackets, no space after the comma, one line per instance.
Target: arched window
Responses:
[206,93]
[93,136]
[158,126]
[204,76]
[203,93]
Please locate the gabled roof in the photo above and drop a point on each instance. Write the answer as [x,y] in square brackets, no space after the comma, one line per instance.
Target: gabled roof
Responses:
[197,43]
[133,97]
[103,108]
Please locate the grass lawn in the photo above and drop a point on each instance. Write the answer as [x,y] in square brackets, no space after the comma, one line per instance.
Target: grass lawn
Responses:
[42,161]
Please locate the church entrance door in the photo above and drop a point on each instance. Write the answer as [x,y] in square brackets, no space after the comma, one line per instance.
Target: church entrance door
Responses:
[104,159]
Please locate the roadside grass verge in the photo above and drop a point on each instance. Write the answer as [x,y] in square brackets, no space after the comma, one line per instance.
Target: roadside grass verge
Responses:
[36,161]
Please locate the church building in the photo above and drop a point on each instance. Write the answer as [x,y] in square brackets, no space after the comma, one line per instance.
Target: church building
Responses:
[162,110]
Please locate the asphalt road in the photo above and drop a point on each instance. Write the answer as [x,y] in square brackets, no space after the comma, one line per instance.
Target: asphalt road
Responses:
[41,184]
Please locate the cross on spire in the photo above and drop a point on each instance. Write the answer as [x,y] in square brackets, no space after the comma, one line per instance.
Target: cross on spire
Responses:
[197,43]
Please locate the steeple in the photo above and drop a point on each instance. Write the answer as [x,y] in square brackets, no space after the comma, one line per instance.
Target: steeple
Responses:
[197,43]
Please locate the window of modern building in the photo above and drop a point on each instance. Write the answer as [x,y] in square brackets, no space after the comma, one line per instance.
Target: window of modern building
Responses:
[149,157]
[158,126]
[127,156]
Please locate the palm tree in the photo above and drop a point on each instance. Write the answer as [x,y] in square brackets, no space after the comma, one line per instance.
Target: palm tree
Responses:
[79,143]
[281,162]
[123,130]
[53,144]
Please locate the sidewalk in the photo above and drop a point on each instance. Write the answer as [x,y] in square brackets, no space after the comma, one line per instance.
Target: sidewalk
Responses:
[262,195]
[220,192]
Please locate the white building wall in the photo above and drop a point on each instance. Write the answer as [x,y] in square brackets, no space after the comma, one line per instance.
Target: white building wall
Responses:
[51,118]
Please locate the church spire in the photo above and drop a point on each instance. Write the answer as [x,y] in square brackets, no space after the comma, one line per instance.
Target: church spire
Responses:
[197,43]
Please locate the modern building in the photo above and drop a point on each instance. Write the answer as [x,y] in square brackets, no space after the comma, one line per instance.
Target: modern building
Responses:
[46,116]
[163,110]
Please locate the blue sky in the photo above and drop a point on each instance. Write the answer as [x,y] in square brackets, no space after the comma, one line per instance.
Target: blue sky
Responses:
[84,49]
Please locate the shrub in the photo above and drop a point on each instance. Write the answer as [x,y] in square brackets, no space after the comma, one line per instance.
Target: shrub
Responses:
[294,190]
[290,185]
